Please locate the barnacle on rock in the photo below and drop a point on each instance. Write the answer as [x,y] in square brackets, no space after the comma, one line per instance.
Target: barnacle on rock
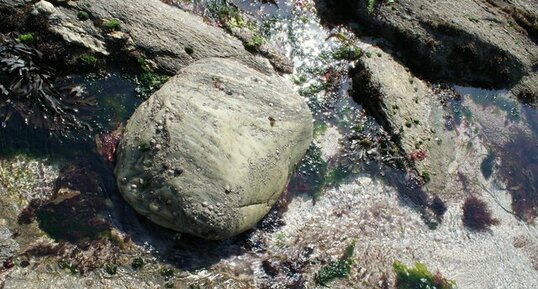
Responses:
[27,89]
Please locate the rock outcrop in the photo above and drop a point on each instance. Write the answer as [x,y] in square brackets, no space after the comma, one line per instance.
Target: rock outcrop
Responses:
[477,42]
[166,35]
[407,108]
[211,151]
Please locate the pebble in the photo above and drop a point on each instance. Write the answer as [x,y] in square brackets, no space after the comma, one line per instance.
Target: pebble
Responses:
[109,203]
[205,204]
[133,186]
[153,207]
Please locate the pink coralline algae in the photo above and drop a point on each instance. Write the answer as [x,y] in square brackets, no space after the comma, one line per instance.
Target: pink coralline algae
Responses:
[418,155]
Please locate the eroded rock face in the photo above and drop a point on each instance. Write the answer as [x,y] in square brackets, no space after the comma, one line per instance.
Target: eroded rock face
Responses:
[212,150]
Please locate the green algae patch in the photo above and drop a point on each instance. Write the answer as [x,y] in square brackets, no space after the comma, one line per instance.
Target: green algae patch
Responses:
[418,277]
[336,269]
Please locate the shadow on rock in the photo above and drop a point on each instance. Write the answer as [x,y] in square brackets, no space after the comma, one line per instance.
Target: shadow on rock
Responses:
[75,212]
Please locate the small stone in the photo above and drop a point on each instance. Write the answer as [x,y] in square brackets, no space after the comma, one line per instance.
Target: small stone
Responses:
[153,207]
[108,203]
[178,171]
[211,207]
[133,186]
[45,7]
[124,180]
[158,147]
[205,204]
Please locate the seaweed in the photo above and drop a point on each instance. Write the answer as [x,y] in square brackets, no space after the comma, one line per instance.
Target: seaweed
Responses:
[149,80]
[227,14]
[476,214]
[336,269]
[419,277]
[137,263]
[27,89]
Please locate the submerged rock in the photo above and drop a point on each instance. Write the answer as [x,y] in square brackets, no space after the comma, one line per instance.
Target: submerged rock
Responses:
[212,150]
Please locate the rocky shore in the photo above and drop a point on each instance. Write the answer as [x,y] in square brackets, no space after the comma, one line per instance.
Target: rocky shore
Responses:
[230,173]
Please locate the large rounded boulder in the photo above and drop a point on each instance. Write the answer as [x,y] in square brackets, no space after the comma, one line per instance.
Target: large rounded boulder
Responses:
[211,151]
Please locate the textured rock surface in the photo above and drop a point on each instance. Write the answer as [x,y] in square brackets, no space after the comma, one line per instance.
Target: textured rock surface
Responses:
[468,41]
[212,150]
[8,246]
[407,108]
[162,32]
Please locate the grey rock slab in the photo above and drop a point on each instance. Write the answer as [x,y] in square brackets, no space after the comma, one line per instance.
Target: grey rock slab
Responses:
[406,107]
[211,151]
[163,32]
[169,37]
